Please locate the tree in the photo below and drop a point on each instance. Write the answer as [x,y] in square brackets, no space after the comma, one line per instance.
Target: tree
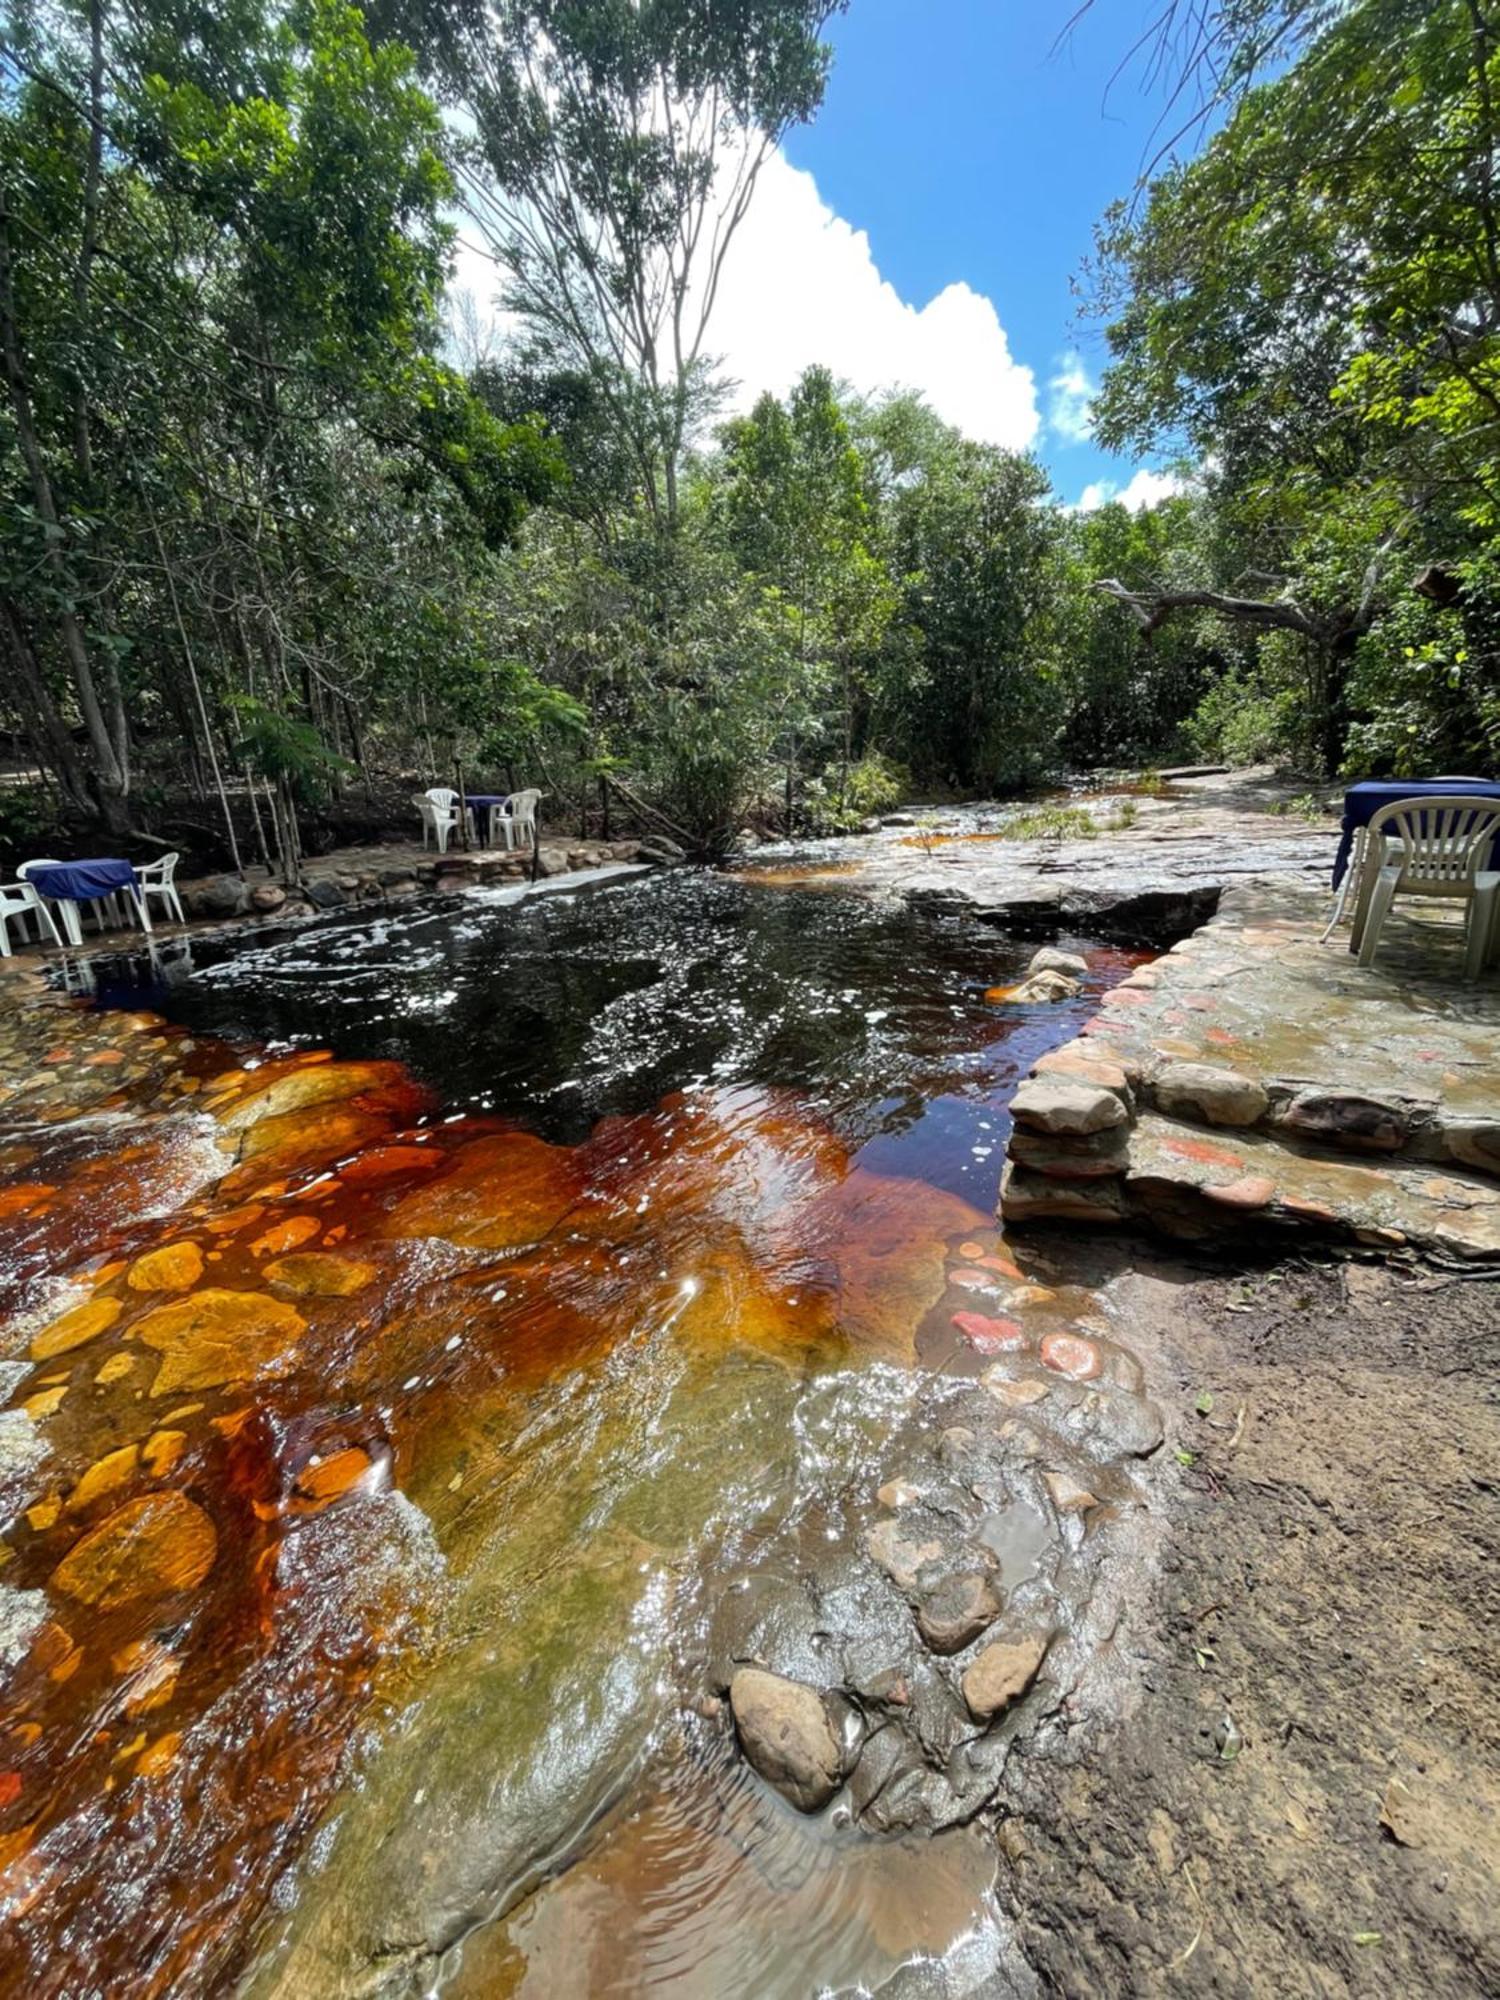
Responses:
[618,148]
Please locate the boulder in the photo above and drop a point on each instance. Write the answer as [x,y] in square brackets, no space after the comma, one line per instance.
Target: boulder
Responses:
[785,1732]
[1217,1096]
[219,896]
[268,898]
[549,862]
[1001,1675]
[324,893]
[658,847]
[395,878]
[1054,1104]
[1474,1141]
[1050,959]
[1098,1157]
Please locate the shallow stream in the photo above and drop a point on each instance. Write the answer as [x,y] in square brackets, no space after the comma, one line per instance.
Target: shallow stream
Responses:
[461,1294]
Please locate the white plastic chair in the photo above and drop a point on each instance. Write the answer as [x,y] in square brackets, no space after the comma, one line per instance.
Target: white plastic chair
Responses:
[439,816]
[520,818]
[156,879]
[18,901]
[1433,847]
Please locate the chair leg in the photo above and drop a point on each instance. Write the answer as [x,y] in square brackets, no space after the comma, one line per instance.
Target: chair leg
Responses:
[1381,899]
[1338,907]
[1479,931]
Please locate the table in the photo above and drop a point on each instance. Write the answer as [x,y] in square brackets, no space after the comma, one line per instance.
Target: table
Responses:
[481,802]
[69,883]
[1364,800]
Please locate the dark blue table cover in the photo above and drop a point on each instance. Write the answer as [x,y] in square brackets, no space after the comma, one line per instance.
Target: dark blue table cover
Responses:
[1364,800]
[486,798]
[81,881]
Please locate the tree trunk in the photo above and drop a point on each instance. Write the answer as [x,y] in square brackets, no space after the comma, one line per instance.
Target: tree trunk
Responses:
[55,745]
[112,782]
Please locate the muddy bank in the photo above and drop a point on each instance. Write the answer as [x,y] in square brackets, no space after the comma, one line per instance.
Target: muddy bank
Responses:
[1303,1799]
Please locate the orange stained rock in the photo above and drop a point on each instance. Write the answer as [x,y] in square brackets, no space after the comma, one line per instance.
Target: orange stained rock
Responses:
[990,1336]
[319,1274]
[175,1267]
[1070,1354]
[971,1252]
[43,1405]
[105,1475]
[83,1323]
[221,1336]
[105,1058]
[501,1193]
[152,1670]
[149,1547]
[285,1235]
[25,1197]
[10,1788]
[312,1136]
[162,1450]
[279,1090]
[337,1234]
[237,1218]
[43,1514]
[383,1163]
[115,1369]
[887,1238]
[1203,1153]
[107,1271]
[331,1476]
[1003,1265]
[158,1755]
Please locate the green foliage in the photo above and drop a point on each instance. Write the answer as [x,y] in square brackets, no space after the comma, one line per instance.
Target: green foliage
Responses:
[873,785]
[1052,823]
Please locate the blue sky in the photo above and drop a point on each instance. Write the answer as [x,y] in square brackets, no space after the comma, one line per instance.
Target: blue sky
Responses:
[971,146]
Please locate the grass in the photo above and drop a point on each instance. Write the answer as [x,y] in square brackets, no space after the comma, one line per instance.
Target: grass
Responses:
[1052,823]
[1308,806]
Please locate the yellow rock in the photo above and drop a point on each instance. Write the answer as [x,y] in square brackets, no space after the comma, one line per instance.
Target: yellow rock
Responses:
[162,1450]
[175,1267]
[105,1475]
[41,1517]
[219,1336]
[159,1543]
[303,1088]
[37,1407]
[158,1755]
[320,1275]
[285,1235]
[83,1323]
[115,1369]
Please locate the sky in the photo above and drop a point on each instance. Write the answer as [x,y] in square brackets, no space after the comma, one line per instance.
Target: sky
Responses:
[925,231]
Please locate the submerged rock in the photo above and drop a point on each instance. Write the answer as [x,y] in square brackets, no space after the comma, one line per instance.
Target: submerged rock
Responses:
[1050,959]
[785,1732]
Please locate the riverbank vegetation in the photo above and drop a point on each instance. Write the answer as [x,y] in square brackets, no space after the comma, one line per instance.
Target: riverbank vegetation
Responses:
[283,538]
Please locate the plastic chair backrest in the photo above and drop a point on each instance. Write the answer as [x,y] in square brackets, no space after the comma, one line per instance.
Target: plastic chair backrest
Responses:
[1443,839]
[443,795]
[36,861]
[523,805]
[158,874]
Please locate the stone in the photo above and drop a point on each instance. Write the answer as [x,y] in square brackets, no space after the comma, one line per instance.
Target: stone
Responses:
[1473,1141]
[1054,1104]
[221,1336]
[397,878]
[898,1555]
[1001,1675]
[175,1267]
[219,896]
[1050,959]
[319,1274]
[1071,1355]
[82,1324]
[105,1475]
[954,1614]
[324,894]
[990,1336]
[267,897]
[1366,1124]
[1036,989]
[1096,1158]
[1067,1495]
[898,1493]
[1251,1191]
[659,847]
[1217,1096]
[785,1733]
[1027,1197]
[1073,1064]
[150,1546]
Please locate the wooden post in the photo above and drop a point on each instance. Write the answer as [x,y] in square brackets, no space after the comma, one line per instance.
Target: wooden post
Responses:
[604,804]
[463,814]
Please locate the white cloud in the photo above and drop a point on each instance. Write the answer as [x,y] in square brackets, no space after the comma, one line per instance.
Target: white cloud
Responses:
[1070,414]
[801,286]
[1144,488]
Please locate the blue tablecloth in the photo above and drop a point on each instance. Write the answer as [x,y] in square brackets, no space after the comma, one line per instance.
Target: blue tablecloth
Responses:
[484,800]
[81,881]
[1364,800]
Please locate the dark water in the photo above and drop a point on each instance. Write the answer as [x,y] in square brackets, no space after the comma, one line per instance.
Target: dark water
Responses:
[570,1006]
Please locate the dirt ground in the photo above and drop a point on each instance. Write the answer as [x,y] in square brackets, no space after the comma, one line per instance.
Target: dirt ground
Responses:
[1303,1797]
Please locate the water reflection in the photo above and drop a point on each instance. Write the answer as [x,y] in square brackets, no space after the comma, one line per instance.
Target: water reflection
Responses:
[441,1291]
